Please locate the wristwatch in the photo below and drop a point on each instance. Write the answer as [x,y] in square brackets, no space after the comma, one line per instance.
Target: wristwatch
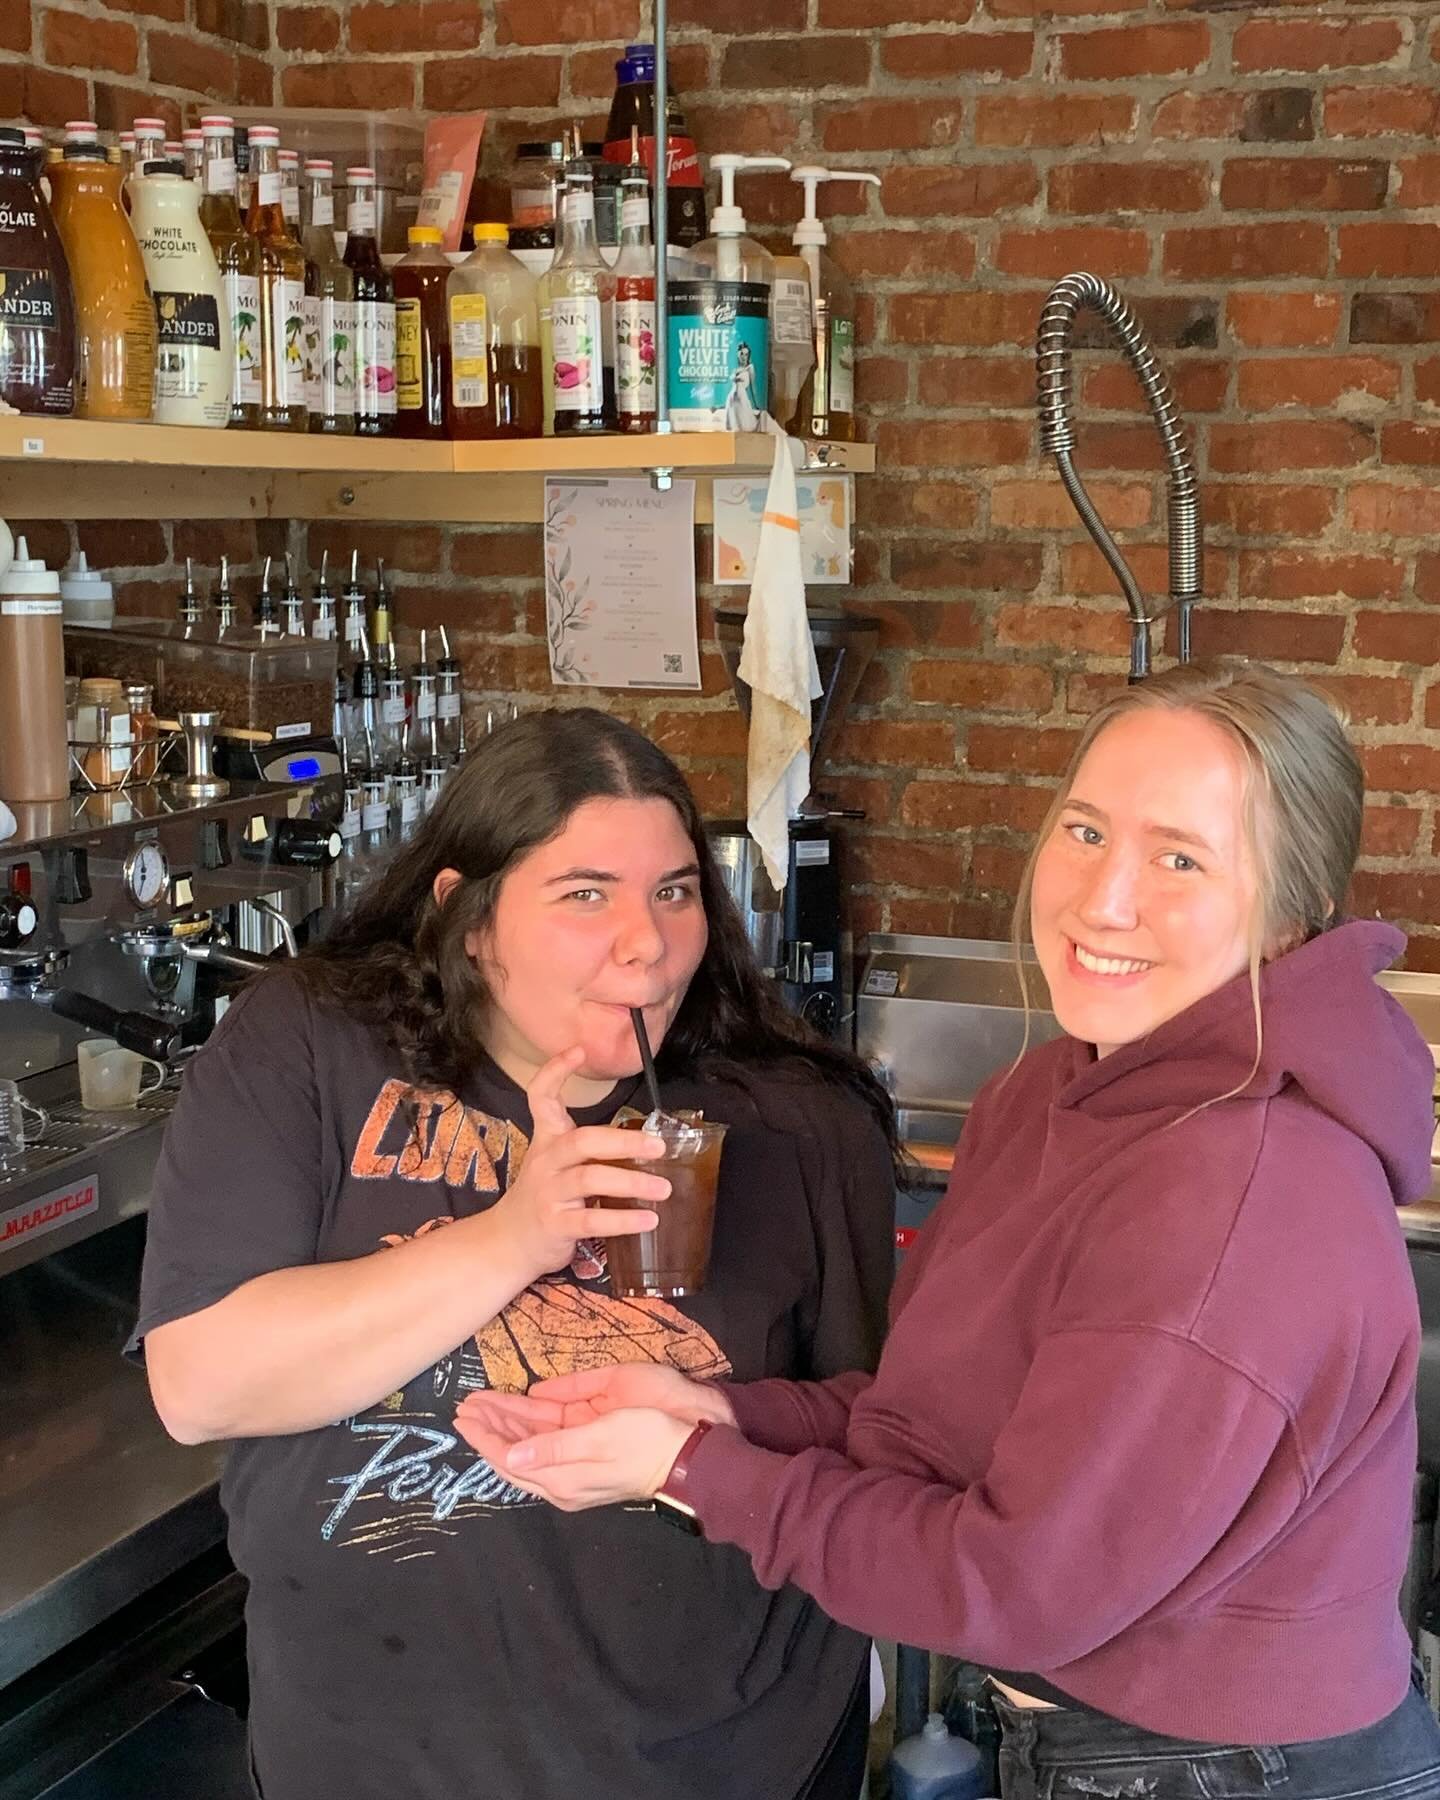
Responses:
[669,1499]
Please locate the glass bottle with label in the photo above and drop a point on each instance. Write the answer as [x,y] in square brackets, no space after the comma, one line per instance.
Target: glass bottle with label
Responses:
[496,382]
[290,190]
[239,258]
[422,347]
[37,317]
[282,291]
[310,298]
[193,141]
[332,409]
[114,318]
[194,354]
[148,145]
[635,307]
[374,310]
[577,314]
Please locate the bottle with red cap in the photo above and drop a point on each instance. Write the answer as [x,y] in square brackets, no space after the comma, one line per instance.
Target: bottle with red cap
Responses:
[282,291]
[375,399]
[238,255]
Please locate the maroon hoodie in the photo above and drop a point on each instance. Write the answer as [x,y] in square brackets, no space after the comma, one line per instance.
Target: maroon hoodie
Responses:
[1145,1424]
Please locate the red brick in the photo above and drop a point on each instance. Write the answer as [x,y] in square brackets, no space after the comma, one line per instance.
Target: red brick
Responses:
[566,21]
[1314,44]
[425,25]
[1393,511]
[1381,112]
[124,543]
[963,443]
[740,16]
[998,868]
[910,862]
[983,686]
[931,57]
[1303,184]
[1044,119]
[1315,575]
[83,43]
[1295,247]
[1320,383]
[885,255]
[1415,445]
[1103,445]
[462,83]
[1401,768]
[1419,181]
[890,124]
[244,22]
[1388,830]
[1045,10]
[982,567]
[1198,386]
[1432,720]
[893,744]
[307,28]
[985,318]
[507,553]
[1393,248]
[51,98]
[1278,116]
[1251,510]
[755,130]
[254,80]
[171,10]
[1105,249]
[1043,505]
[1317,444]
[1197,117]
[185,62]
[905,500]
[1390,318]
[117,104]
[882,381]
[1085,575]
[1271,636]
[1408,895]
[810,62]
[1022,627]
[1176,47]
[1096,188]
[873,15]
[1007,749]
[936,805]
[1397,637]
[696,733]
[976,381]
[976,190]
[366,86]
[15,26]
[1263,319]
[1427,578]
[413,549]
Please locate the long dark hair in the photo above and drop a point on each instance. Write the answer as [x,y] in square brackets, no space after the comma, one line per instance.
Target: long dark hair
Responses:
[397,961]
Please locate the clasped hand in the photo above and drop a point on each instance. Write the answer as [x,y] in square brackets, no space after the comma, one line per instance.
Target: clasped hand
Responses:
[594,1438]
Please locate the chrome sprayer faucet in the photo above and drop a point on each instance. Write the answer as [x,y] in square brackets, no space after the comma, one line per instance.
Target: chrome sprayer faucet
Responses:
[1057,438]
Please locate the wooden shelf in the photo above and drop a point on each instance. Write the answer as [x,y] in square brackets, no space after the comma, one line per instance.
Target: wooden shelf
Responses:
[79,469]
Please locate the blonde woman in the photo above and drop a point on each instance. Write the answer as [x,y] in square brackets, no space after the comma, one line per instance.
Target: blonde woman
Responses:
[1142,1439]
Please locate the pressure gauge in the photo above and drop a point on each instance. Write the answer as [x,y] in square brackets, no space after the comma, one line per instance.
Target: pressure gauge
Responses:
[146,875]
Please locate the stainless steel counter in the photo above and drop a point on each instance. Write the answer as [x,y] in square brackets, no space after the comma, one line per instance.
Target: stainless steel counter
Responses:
[97,1504]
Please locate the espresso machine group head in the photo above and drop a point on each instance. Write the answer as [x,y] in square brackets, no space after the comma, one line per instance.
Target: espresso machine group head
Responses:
[803,936]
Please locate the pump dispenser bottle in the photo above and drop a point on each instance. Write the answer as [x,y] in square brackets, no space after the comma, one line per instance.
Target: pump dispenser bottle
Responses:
[826,405]
[719,337]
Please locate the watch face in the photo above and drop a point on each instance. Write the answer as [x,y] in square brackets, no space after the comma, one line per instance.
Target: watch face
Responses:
[146,873]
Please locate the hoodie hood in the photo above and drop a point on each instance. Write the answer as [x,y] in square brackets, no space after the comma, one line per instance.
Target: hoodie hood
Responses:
[1329,1029]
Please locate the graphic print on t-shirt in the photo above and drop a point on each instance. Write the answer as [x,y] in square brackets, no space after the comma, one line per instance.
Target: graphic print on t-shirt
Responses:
[414,1479]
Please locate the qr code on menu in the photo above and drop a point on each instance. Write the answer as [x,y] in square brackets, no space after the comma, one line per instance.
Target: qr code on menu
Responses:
[674,663]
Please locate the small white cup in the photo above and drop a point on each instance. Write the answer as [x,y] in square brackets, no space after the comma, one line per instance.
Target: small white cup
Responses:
[110,1076]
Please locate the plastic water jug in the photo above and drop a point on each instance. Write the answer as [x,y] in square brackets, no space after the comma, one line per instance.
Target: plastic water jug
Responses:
[933,1765]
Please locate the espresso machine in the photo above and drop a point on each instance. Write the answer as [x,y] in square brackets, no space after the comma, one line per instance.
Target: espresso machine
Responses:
[802,936]
[125,913]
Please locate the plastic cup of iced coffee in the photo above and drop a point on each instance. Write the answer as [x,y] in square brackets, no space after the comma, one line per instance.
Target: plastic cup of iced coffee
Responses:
[672,1260]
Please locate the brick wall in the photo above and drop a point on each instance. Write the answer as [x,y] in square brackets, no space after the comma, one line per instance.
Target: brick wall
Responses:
[1259,180]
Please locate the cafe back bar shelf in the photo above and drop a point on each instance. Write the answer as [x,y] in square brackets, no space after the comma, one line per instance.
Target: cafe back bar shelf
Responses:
[82,469]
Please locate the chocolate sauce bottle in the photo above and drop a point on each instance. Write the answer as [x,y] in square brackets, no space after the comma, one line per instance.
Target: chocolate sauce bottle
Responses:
[37,309]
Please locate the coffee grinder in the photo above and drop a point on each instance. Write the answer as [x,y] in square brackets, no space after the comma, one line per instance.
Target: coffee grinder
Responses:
[802,937]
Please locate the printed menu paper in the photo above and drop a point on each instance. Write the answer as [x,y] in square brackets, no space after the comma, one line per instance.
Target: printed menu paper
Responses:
[620,584]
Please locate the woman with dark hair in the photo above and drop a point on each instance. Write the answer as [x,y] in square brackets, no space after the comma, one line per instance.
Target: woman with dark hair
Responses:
[372,1201]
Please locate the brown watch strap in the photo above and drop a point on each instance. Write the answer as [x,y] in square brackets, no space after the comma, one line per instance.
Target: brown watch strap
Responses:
[670,1497]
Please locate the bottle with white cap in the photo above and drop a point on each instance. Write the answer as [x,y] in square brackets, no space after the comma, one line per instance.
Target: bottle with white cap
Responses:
[34,752]
[193,149]
[719,338]
[195,353]
[86,597]
[826,404]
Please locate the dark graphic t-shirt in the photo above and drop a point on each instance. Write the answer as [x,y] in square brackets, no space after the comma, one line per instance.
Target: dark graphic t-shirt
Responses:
[417,1625]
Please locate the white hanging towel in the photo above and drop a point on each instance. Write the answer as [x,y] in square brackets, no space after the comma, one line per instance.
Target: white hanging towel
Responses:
[777,660]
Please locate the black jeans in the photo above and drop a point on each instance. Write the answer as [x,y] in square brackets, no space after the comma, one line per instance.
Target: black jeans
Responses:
[1073,1755]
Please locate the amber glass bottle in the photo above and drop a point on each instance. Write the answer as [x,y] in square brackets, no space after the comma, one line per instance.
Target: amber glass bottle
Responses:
[422,344]
[282,291]
[114,316]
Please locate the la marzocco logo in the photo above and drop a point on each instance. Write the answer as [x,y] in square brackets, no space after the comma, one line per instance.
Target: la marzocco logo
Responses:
[26,297]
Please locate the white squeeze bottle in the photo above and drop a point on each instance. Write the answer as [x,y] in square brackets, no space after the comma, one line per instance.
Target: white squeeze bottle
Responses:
[825,405]
[719,338]
[194,359]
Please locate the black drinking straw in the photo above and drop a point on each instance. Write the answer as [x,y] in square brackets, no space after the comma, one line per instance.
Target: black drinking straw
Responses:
[637,1019]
